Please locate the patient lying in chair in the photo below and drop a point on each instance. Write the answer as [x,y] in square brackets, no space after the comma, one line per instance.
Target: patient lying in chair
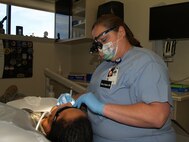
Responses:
[63,124]
[67,124]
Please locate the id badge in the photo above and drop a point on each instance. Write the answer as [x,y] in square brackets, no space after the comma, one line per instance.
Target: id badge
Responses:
[113,75]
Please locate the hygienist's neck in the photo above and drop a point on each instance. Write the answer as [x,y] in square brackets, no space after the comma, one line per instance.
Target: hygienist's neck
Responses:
[123,49]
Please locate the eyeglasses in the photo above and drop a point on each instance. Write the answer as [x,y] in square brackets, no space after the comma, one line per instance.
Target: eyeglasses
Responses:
[105,32]
[59,111]
[98,45]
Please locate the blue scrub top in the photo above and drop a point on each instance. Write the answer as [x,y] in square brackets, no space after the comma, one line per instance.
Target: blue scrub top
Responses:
[142,77]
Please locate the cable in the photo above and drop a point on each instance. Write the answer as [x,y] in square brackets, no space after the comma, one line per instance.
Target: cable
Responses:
[39,122]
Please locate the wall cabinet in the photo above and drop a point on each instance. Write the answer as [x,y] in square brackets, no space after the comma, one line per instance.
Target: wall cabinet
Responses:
[74,19]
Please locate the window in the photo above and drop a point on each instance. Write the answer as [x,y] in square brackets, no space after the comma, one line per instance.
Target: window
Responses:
[3,14]
[34,22]
[62,26]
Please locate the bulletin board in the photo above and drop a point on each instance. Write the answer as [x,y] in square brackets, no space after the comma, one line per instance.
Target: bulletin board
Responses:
[16,58]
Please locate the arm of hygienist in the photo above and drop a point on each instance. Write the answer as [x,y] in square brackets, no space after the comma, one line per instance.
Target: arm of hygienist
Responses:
[140,114]
[152,111]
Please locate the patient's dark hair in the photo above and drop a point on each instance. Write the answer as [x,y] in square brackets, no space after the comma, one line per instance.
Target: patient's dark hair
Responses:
[78,130]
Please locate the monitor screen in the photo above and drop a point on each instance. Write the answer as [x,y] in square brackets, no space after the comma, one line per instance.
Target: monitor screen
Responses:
[169,22]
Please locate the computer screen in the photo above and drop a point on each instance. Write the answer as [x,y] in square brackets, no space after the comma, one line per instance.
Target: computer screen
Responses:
[169,22]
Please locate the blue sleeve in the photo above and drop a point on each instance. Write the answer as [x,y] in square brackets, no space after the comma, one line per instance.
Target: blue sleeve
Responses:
[153,84]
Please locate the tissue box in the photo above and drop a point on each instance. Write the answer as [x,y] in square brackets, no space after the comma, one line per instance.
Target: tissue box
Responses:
[77,77]
[80,77]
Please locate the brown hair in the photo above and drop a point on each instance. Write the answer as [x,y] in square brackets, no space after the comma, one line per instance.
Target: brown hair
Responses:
[110,20]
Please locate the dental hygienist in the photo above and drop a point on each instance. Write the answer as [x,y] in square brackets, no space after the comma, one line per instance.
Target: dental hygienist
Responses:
[129,97]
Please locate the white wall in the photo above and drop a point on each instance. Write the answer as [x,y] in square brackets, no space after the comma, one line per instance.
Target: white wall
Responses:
[137,17]
[82,61]
[45,56]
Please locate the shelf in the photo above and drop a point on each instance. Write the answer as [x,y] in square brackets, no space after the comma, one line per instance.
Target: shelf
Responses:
[80,12]
[78,16]
[29,38]
[74,41]
[80,25]
[180,96]
[81,19]
[78,2]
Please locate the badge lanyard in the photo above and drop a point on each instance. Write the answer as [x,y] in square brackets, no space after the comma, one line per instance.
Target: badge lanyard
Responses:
[113,74]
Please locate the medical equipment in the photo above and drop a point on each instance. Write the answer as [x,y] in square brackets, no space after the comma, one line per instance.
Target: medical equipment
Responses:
[42,116]
[65,98]
[61,83]
[169,50]
[95,46]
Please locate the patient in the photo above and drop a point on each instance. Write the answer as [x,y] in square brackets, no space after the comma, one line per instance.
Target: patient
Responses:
[64,124]
[67,124]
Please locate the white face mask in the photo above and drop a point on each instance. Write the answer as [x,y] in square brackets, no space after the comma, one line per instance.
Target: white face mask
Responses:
[109,50]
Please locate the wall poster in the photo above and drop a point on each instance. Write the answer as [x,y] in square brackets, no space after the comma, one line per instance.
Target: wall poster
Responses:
[16,58]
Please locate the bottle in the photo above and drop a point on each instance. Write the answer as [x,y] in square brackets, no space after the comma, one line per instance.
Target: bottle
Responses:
[51,92]
[60,69]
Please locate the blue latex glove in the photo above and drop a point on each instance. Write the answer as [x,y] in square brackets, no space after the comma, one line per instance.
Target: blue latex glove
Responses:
[91,101]
[65,98]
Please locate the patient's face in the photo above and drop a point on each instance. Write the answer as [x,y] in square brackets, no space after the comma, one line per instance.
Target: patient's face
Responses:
[68,114]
